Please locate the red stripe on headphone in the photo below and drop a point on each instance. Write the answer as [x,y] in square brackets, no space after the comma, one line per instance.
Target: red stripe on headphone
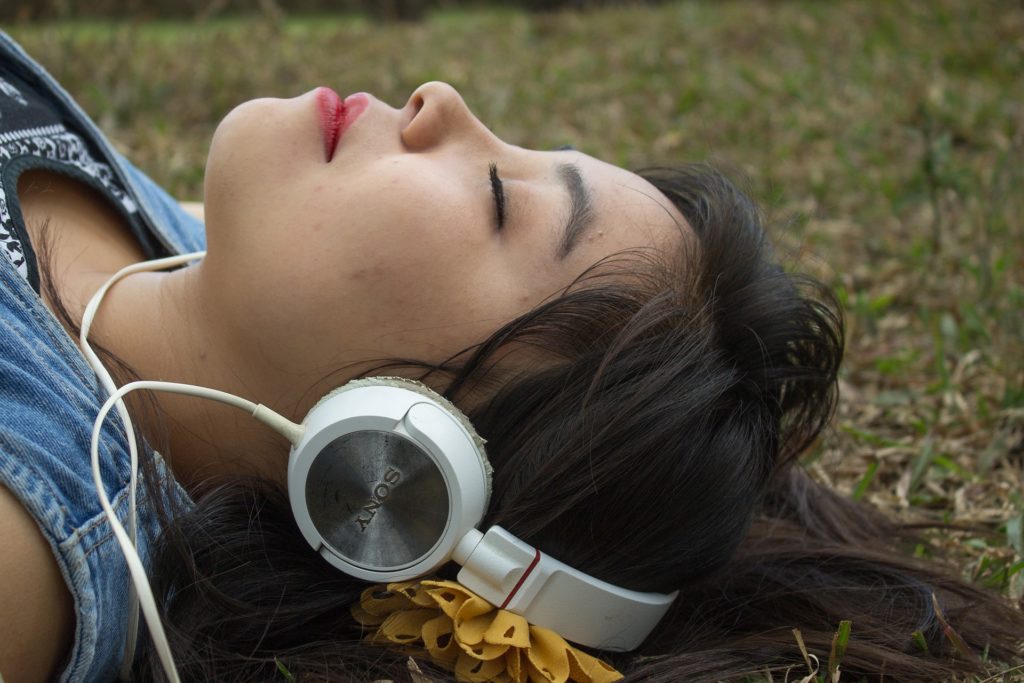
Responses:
[522,579]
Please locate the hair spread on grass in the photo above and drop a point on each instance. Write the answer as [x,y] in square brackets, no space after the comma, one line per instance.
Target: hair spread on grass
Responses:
[651,442]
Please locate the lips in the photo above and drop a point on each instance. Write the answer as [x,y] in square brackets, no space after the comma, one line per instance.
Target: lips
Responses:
[336,115]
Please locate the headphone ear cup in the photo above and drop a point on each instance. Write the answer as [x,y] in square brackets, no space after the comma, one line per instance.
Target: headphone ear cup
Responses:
[368,488]
[387,478]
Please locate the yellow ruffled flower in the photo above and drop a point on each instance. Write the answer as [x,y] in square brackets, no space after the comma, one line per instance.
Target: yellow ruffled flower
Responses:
[471,637]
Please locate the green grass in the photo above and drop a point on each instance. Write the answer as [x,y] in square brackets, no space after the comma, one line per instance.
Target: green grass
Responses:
[887,136]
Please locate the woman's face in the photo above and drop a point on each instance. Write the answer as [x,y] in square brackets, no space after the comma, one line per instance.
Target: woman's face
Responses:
[392,247]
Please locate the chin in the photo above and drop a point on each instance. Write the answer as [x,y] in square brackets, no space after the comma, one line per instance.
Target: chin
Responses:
[252,150]
[241,127]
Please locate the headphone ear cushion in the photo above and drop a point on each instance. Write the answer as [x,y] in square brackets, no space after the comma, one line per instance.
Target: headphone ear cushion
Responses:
[387,478]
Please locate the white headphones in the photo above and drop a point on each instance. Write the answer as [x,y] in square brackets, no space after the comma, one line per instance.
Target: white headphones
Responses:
[387,481]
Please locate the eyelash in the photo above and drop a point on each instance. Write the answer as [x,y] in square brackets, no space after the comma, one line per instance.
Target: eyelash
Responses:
[498,190]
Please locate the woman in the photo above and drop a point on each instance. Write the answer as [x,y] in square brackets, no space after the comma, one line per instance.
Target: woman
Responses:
[643,372]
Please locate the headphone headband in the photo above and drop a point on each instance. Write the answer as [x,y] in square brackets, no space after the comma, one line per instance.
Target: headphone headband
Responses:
[512,575]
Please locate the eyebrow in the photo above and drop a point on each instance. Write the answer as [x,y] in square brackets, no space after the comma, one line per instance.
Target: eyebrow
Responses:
[581,209]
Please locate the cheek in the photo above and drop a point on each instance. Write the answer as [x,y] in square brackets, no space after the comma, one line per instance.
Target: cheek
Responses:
[424,298]
[421,283]
[397,238]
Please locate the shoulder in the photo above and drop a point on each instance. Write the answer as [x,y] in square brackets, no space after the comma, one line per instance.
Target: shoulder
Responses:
[59,556]
[58,553]
[36,609]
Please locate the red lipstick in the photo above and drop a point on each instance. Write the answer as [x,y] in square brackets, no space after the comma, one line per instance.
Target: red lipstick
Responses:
[336,115]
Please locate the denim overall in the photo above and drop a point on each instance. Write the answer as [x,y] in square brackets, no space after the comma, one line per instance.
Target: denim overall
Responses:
[49,398]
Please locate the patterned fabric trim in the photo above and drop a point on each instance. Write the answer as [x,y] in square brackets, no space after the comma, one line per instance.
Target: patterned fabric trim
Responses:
[12,135]
[53,143]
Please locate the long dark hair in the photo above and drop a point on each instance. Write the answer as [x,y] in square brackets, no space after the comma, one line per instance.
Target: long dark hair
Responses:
[652,444]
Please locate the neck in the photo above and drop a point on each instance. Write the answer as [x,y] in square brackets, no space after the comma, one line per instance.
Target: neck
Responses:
[164,329]
[165,326]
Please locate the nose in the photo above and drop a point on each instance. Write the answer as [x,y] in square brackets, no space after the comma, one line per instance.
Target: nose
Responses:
[440,115]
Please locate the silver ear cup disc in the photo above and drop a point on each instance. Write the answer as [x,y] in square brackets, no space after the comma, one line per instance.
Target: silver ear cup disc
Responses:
[377,499]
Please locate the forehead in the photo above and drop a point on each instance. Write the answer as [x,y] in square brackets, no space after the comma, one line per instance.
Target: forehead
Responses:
[629,208]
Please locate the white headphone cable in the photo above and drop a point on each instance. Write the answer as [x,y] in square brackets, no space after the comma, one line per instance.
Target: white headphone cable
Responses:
[141,596]
[107,382]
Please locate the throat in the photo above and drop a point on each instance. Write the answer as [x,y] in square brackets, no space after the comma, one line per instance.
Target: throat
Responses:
[155,324]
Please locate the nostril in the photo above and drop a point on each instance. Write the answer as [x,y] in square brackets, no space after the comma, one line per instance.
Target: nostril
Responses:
[416,103]
[421,123]
[433,111]
[412,109]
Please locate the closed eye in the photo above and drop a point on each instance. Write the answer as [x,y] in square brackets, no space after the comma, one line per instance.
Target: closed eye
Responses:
[498,190]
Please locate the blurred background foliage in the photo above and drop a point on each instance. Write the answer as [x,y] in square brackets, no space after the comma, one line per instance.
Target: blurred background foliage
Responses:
[885,140]
[389,10]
